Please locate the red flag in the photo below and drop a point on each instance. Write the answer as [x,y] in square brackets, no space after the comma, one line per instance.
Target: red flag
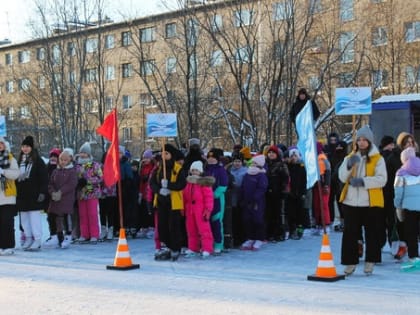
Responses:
[109,130]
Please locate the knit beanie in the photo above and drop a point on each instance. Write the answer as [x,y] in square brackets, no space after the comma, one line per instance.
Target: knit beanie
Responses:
[148,154]
[385,141]
[70,151]
[55,152]
[295,151]
[193,141]
[197,165]
[85,148]
[407,153]
[259,160]
[274,149]
[29,141]
[365,132]
[246,152]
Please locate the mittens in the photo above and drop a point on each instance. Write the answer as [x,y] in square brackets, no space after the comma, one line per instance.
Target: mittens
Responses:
[164,192]
[357,182]
[353,160]
[164,183]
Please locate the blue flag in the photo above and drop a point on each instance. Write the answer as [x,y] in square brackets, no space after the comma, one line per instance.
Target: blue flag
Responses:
[307,143]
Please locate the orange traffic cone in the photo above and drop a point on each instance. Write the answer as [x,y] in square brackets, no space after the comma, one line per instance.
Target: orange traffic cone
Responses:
[122,259]
[326,270]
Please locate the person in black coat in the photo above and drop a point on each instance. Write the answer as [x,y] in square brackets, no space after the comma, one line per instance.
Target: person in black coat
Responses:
[32,190]
[301,99]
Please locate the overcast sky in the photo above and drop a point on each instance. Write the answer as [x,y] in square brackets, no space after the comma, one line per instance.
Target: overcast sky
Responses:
[15,14]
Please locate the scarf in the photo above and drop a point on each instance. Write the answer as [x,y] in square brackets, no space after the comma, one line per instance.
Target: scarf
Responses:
[410,167]
[254,170]
[4,159]
[25,167]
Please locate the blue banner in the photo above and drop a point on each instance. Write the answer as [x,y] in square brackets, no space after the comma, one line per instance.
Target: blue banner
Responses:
[3,132]
[161,125]
[307,143]
[353,101]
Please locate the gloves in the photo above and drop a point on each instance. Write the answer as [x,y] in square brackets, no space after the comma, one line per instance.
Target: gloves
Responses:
[164,183]
[164,192]
[353,160]
[56,195]
[41,198]
[357,182]
[81,183]
[139,198]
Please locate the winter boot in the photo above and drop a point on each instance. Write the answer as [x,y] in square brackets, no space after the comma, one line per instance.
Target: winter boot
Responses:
[257,245]
[247,245]
[163,254]
[175,255]
[66,242]
[104,233]
[369,268]
[349,269]
[51,242]
[402,251]
[27,243]
[35,246]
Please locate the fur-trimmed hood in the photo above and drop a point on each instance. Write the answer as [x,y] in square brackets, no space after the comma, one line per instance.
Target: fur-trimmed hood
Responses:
[203,181]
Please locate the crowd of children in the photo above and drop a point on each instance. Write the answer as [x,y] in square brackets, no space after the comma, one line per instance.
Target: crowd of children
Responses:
[197,203]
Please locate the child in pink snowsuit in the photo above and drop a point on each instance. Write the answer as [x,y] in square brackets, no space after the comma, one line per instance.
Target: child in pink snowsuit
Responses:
[198,204]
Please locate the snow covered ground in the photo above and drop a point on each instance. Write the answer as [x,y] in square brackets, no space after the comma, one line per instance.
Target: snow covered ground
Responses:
[270,281]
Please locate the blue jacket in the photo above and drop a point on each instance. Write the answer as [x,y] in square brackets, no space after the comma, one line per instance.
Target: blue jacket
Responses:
[407,194]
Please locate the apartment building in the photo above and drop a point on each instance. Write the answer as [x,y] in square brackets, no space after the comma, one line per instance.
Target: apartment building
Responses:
[229,69]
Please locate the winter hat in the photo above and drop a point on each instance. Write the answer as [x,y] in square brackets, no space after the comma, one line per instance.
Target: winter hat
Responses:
[216,153]
[407,154]
[237,156]
[127,154]
[197,165]
[148,154]
[385,141]
[55,152]
[29,141]
[246,152]
[274,149]
[85,148]
[70,151]
[294,151]
[193,141]
[171,149]
[282,147]
[259,160]
[366,133]
[402,138]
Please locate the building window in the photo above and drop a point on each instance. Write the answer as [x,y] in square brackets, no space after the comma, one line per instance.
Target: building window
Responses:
[72,77]
[24,84]
[192,32]
[127,134]
[147,100]
[127,70]
[40,53]
[412,31]
[315,6]
[56,54]
[91,45]
[243,54]
[109,41]
[244,18]
[216,58]
[170,30]
[216,23]
[148,34]
[109,103]
[171,97]
[24,112]
[41,82]
[345,79]
[71,49]
[379,36]
[110,73]
[90,75]
[126,99]
[379,79]
[412,75]
[126,39]
[11,113]
[314,82]
[24,56]
[147,67]
[282,10]
[9,59]
[170,65]
[347,47]
[346,10]
[9,87]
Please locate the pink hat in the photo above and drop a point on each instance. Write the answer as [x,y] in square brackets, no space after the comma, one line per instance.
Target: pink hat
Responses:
[259,160]
[407,154]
